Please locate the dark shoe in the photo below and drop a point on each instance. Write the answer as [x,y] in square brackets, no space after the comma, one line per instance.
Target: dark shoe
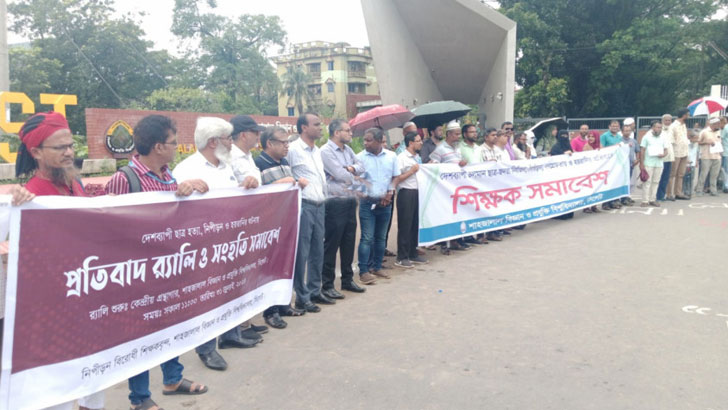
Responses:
[322,300]
[251,334]
[213,360]
[290,311]
[520,227]
[494,237]
[606,207]
[275,321]
[352,287]
[387,252]
[332,294]
[241,343]
[506,233]
[682,197]
[308,307]
[259,329]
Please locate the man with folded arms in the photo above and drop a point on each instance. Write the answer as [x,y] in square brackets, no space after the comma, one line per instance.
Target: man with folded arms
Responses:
[155,139]
[710,156]
[342,169]
[274,169]
[304,158]
[211,164]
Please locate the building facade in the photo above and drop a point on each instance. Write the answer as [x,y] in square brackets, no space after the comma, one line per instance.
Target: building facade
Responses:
[342,77]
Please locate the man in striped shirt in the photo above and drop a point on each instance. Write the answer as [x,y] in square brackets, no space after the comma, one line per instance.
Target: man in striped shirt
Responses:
[155,140]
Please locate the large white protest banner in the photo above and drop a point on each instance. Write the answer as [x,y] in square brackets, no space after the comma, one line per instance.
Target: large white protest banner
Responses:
[101,289]
[456,202]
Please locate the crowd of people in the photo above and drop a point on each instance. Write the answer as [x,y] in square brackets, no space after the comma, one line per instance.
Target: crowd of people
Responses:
[335,182]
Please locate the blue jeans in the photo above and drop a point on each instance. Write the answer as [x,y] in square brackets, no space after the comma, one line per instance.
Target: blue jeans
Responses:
[209,346]
[374,223]
[724,165]
[310,254]
[139,384]
[664,179]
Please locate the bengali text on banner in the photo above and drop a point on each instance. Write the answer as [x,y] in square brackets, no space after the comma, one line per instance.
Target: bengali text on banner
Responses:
[101,289]
[460,201]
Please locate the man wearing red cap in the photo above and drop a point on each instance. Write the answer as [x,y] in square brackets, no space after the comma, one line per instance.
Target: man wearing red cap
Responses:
[47,154]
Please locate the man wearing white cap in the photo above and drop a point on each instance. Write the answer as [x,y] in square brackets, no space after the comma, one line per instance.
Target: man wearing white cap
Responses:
[710,154]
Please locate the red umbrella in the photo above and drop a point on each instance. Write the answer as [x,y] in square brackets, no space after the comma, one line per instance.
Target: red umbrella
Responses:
[385,117]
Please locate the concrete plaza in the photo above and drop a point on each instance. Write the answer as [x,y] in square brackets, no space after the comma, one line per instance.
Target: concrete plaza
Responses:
[619,310]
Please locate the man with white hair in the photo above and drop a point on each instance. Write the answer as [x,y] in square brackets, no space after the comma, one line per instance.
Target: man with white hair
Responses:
[710,155]
[408,127]
[211,164]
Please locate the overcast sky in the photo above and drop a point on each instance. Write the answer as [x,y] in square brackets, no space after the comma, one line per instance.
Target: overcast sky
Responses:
[325,20]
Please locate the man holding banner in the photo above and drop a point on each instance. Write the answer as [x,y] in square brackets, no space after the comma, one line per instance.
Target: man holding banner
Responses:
[155,141]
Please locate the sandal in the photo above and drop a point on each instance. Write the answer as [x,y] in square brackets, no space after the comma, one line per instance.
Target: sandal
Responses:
[444,251]
[146,404]
[588,211]
[289,311]
[185,387]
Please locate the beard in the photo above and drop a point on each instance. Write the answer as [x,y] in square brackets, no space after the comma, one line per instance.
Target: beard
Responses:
[62,176]
[223,154]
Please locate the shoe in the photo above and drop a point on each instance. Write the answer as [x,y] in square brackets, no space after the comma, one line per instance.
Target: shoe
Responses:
[420,251]
[454,246]
[404,263]
[520,227]
[645,204]
[655,204]
[483,240]
[290,311]
[275,321]
[682,197]
[352,287]
[616,206]
[240,343]
[495,237]
[387,252]
[506,233]
[606,207]
[259,329]
[380,274]
[308,307]
[322,300]
[670,198]
[419,260]
[713,194]
[472,241]
[213,360]
[367,278]
[725,190]
[332,294]
[444,250]
[251,334]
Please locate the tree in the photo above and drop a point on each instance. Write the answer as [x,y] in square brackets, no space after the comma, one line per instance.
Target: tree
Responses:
[80,48]
[611,58]
[233,53]
[295,86]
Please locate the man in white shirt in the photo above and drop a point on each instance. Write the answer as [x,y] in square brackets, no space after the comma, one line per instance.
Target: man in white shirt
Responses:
[211,164]
[710,155]
[246,134]
[678,136]
[408,203]
[305,160]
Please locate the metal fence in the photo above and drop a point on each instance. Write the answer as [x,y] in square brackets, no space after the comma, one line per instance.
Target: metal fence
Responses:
[602,123]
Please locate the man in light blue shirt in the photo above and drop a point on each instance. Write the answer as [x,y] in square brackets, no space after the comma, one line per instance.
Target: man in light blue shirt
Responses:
[375,210]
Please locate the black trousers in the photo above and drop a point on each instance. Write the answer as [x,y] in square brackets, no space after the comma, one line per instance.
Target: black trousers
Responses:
[407,223]
[339,235]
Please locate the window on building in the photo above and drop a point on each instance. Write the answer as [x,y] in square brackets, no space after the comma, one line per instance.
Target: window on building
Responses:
[357,69]
[357,88]
[330,65]
[330,87]
[315,70]
[315,90]
[291,111]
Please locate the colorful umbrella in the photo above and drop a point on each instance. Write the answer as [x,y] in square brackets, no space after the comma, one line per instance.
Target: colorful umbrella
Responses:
[384,117]
[707,105]
[436,113]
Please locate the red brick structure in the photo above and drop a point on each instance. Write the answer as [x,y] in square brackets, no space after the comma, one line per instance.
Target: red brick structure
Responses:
[352,99]
[98,121]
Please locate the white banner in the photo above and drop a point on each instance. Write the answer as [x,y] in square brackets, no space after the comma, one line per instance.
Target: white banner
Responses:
[457,202]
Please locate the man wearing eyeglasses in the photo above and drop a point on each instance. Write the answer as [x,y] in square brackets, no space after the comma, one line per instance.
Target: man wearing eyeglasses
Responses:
[507,127]
[246,133]
[342,168]
[274,169]
[155,140]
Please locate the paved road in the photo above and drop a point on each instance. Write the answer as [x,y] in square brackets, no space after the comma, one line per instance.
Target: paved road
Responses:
[601,312]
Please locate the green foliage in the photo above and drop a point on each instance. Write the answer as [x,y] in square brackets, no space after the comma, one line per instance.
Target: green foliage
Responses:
[232,54]
[616,57]
[81,146]
[295,86]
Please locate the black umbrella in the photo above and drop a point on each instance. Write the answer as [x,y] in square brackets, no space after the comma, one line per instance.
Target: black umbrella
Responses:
[541,126]
[436,113]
